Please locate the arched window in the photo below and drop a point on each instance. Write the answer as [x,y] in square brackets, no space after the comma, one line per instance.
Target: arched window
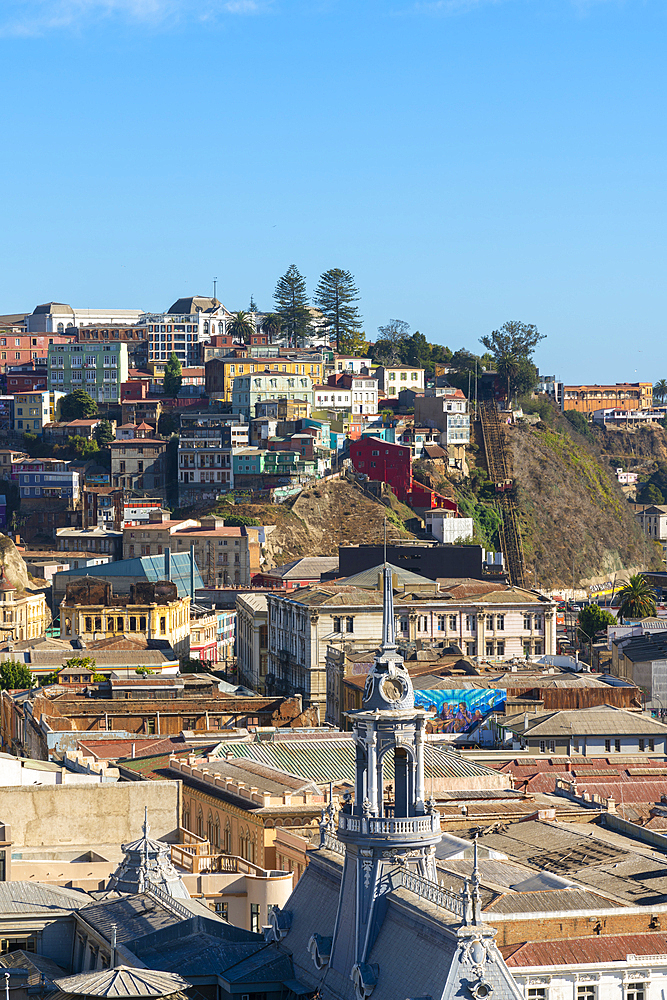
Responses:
[215,839]
[61,327]
[200,824]
[186,819]
[228,838]
[209,828]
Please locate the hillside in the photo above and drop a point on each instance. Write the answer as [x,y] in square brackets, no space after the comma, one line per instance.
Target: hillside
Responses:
[322,517]
[575,520]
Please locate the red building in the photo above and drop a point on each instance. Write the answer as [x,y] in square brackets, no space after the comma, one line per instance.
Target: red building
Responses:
[26,378]
[384,462]
[21,348]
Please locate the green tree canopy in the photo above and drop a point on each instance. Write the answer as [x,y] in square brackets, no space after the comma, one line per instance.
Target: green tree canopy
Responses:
[14,675]
[272,325]
[292,304]
[173,376]
[77,405]
[104,434]
[660,390]
[252,308]
[592,619]
[636,599]
[241,326]
[335,296]
[649,493]
[511,348]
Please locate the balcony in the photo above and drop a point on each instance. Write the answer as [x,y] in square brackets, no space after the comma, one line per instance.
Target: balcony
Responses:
[405,827]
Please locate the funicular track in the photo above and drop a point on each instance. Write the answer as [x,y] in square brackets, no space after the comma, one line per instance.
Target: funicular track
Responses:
[496,462]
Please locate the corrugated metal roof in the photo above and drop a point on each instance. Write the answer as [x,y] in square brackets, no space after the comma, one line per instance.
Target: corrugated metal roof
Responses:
[551,900]
[143,567]
[334,760]
[603,720]
[585,951]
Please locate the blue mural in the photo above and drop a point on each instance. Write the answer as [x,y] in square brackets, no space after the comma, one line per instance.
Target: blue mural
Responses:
[460,711]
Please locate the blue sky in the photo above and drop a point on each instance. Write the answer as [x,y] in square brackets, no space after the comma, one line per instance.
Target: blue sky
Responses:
[470,161]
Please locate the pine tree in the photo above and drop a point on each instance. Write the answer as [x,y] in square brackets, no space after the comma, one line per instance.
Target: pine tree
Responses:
[292,304]
[252,308]
[335,295]
[104,433]
[173,377]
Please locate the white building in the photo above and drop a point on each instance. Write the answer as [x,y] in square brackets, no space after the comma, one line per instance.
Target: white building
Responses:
[498,622]
[187,324]
[393,378]
[248,390]
[653,522]
[365,393]
[332,397]
[57,317]
[252,657]
[447,528]
[446,409]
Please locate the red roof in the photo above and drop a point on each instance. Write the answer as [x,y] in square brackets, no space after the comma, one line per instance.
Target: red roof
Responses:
[115,749]
[580,951]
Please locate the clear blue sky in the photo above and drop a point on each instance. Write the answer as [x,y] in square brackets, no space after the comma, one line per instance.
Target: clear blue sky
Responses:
[470,162]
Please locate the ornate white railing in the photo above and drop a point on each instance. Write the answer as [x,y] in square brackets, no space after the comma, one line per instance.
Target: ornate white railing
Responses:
[432,892]
[386,826]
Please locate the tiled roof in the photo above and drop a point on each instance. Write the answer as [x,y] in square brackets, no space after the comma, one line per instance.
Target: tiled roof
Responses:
[121,982]
[154,767]
[114,749]
[22,897]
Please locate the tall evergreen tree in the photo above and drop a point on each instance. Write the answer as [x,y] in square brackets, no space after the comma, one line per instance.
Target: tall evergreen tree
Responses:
[335,296]
[252,308]
[173,376]
[292,304]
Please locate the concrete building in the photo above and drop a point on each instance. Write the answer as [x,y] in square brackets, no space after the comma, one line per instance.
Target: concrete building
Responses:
[591,732]
[621,396]
[446,409]
[448,529]
[33,410]
[123,573]
[252,640]
[24,349]
[332,397]
[133,336]
[23,614]
[482,619]
[92,541]
[384,462]
[393,378]
[363,391]
[46,478]
[100,369]
[653,522]
[248,390]
[224,555]
[153,611]
[57,317]
[642,659]
[221,372]
[206,445]
[184,328]
[139,463]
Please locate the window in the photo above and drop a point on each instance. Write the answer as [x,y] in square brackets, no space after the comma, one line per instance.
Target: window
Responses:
[471,649]
[543,746]
[221,908]
[489,621]
[500,623]
[337,623]
[98,624]
[651,745]
[586,992]
[528,622]
[470,623]
[642,745]
[500,648]
[89,624]
[526,649]
[163,625]
[489,649]
[349,624]
[254,918]
[607,746]
[452,623]
[536,993]
[422,623]
[617,746]
[442,623]
[635,991]
[552,746]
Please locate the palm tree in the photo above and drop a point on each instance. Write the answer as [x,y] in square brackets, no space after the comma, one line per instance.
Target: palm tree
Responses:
[272,325]
[636,599]
[660,390]
[241,326]
[508,367]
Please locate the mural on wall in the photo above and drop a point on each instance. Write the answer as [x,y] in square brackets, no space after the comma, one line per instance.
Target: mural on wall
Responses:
[459,711]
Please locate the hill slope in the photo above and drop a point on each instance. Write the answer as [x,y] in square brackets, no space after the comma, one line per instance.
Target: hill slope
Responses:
[322,517]
[576,523]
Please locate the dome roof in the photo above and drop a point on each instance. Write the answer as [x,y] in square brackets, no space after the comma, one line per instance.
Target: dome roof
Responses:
[122,982]
[147,863]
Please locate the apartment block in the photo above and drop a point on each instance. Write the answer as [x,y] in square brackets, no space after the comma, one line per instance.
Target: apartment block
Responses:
[33,410]
[100,369]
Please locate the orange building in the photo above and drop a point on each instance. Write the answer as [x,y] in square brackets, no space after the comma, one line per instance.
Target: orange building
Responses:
[622,396]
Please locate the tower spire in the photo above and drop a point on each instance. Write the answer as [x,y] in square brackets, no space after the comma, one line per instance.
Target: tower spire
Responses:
[388,623]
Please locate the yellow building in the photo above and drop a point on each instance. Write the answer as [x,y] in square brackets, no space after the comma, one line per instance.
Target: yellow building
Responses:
[221,372]
[23,615]
[150,611]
